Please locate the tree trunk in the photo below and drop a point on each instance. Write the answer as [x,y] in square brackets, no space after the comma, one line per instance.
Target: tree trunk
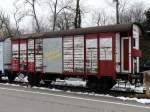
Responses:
[35,17]
[55,15]
[77,21]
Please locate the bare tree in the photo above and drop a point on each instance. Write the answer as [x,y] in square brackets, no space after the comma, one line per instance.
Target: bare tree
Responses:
[117,11]
[120,7]
[5,29]
[56,8]
[100,18]
[135,13]
[30,4]
[18,18]
[65,20]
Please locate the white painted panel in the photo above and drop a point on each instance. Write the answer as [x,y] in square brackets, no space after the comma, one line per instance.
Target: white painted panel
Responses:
[52,55]
[91,55]
[1,57]
[79,53]
[23,46]
[15,47]
[68,54]
[136,34]
[7,53]
[118,67]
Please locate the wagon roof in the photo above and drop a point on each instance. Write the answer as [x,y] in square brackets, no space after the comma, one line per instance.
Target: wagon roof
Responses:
[80,31]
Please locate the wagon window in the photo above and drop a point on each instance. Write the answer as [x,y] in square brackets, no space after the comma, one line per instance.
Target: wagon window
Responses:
[91,55]
[106,48]
[78,53]
[15,49]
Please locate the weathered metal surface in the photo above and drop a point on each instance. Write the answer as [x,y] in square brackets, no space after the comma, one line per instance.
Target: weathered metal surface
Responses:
[52,55]
[81,31]
[7,53]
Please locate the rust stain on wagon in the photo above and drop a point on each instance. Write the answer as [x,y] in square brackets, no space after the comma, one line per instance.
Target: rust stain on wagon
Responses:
[53,55]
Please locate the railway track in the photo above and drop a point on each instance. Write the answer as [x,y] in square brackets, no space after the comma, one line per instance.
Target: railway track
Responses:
[85,90]
[115,93]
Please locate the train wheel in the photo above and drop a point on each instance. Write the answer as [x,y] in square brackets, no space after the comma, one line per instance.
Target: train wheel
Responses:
[33,79]
[92,84]
[11,76]
[47,83]
[105,84]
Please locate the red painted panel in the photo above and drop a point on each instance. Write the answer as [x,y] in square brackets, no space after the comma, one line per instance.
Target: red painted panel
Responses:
[136,53]
[15,64]
[31,66]
[106,68]
[23,55]
[106,63]
[31,55]
[126,54]
[15,56]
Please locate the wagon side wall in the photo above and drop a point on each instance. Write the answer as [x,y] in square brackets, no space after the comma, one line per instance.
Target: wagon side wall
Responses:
[52,55]
[7,53]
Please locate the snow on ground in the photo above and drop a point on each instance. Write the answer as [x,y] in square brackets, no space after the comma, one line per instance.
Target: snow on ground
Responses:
[91,94]
[119,87]
[4,78]
[71,82]
[128,87]
[144,101]
[43,88]
[21,78]
[8,84]
[79,82]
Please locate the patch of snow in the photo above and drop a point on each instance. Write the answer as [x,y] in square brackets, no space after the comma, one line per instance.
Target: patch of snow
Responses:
[5,84]
[21,79]
[128,87]
[53,89]
[71,82]
[5,78]
[15,85]
[89,93]
[143,101]
[107,95]
[76,83]
[43,88]
[85,93]
[8,84]
[17,79]
[25,79]
[59,82]
[42,82]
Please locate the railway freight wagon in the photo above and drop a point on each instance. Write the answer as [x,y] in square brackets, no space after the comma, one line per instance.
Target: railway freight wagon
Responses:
[98,54]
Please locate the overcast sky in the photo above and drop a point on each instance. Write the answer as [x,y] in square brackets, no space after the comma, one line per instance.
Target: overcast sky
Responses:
[7,5]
